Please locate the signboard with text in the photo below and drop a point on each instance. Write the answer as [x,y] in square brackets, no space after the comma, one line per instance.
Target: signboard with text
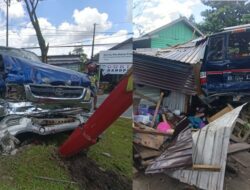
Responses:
[115,56]
[115,69]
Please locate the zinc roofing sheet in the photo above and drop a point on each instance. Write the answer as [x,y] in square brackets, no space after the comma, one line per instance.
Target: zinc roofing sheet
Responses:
[191,52]
[163,73]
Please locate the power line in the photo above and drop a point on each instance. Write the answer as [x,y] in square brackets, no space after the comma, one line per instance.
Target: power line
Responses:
[66,46]
[101,38]
[51,34]
[73,31]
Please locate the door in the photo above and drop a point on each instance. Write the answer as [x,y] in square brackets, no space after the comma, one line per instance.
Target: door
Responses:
[238,55]
[214,65]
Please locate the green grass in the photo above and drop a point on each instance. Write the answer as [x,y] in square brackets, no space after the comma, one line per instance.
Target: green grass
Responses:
[117,141]
[18,172]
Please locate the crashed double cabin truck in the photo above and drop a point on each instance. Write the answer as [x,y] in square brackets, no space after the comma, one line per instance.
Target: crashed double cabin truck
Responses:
[39,98]
[225,69]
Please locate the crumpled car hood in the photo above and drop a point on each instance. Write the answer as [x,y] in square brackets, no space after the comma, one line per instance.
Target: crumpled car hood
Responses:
[22,71]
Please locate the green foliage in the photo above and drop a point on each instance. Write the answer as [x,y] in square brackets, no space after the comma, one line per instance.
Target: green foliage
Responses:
[83,56]
[222,14]
[192,19]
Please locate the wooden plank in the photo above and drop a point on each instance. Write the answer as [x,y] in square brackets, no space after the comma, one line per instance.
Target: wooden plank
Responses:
[147,162]
[148,130]
[220,113]
[148,140]
[206,167]
[239,120]
[157,109]
[237,147]
[149,153]
[243,158]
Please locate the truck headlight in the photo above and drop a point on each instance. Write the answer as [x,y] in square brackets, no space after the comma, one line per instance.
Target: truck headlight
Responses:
[87,96]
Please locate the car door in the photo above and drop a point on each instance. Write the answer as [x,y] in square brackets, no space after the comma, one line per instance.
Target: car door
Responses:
[238,56]
[214,65]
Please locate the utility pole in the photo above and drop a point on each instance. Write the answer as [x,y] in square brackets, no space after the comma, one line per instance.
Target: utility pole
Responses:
[7,21]
[93,42]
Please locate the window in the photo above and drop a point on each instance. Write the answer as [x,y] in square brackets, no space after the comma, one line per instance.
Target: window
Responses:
[239,45]
[215,48]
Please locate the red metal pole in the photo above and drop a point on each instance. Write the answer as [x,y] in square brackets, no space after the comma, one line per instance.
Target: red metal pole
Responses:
[114,105]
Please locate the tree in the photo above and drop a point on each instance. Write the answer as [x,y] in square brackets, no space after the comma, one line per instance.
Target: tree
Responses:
[31,6]
[192,19]
[224,14]
[138,7]
[83,56]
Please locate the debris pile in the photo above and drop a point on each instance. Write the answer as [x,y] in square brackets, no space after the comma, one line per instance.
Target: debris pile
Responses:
[196,148]
[24,120]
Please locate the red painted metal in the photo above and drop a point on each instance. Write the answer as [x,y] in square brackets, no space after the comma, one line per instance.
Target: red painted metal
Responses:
[114,105]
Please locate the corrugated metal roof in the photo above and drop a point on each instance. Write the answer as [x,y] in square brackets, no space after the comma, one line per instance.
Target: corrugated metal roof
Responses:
[64,59]
[178,155]
[163,73]
[191,52]
[210,146]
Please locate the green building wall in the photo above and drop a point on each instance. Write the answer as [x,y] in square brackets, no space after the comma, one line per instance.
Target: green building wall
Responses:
[178,33]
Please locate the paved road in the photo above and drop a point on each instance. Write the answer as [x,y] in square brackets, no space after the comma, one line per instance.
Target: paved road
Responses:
[101,98]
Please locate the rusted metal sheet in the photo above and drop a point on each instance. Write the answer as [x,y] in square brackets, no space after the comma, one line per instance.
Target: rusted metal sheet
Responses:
[179,154]
[163,74]
[191,52]
[210,145]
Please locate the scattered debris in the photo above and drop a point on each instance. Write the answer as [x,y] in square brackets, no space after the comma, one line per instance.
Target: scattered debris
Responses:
[197,155]
[220,113]
[106,154]
[8,144]
[237,147]
[177,155]
[210,147]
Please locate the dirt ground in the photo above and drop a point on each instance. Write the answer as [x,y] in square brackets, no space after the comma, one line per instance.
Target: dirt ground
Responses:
[233,181]
[89,175]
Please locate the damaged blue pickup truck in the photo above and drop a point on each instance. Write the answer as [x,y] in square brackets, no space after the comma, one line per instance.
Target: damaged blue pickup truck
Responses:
[24,77]
[225,71]
[39,98]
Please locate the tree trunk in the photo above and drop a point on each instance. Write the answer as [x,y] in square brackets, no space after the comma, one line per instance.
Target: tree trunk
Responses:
[31,9]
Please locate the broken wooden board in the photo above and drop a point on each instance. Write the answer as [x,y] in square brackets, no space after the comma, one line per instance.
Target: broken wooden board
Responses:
[210,146]
[242,158]
[206,167]
[220,113]
[146,153]
[237,147]
[149,137]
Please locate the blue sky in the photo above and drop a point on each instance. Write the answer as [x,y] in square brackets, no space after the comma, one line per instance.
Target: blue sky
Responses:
[71,21]
[116,9]
[157,13]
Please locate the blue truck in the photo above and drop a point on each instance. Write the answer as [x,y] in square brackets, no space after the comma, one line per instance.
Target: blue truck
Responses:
[38,98]
[225,70]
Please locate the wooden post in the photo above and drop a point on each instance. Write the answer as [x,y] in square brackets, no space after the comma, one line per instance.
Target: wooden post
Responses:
[157,109]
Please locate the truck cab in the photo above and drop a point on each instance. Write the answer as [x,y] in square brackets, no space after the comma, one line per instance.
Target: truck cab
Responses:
[225,70]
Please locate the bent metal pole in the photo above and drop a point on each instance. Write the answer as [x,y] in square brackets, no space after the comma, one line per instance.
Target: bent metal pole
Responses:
[114,105]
